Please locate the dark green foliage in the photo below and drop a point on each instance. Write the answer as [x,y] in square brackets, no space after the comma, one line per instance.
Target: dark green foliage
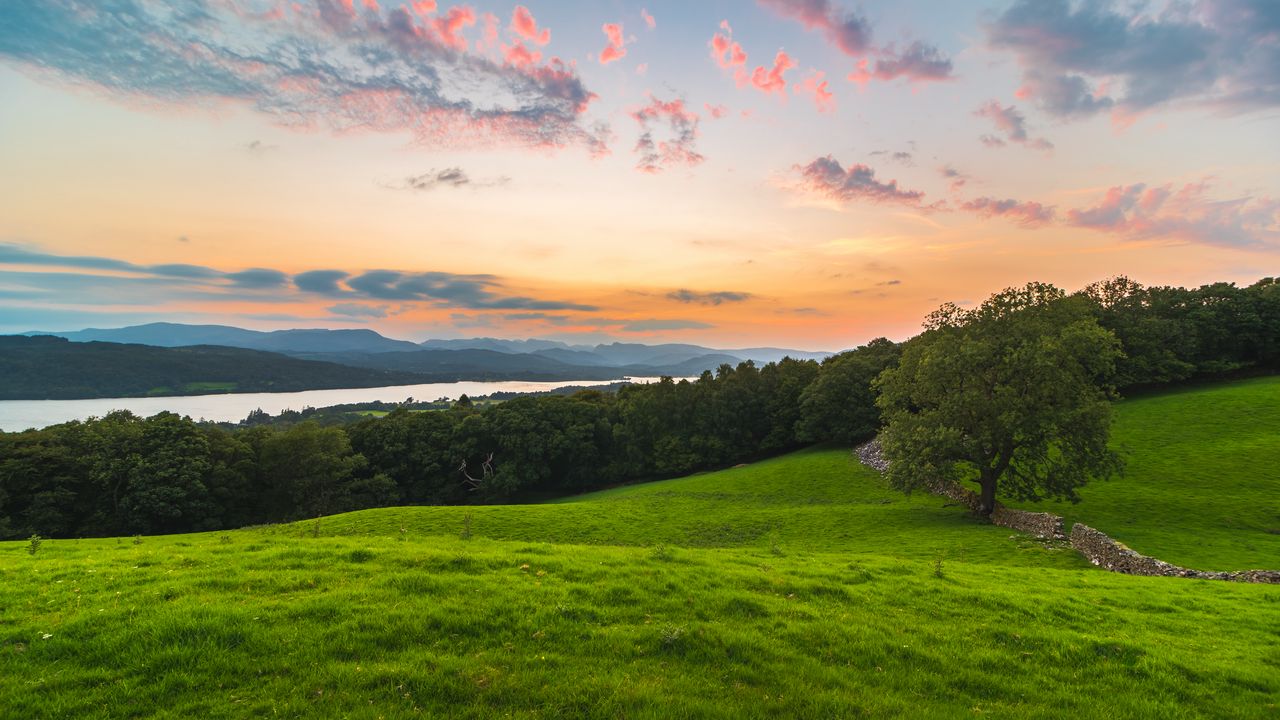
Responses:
[1012,394]
[1169,334]
[839,404]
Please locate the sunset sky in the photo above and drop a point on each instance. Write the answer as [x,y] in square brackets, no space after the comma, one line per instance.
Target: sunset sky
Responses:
[799,173]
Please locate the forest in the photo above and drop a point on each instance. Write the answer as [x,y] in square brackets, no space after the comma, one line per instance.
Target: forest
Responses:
[121,475]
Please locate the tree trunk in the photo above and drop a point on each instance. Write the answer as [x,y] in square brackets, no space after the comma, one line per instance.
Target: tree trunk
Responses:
[987,500]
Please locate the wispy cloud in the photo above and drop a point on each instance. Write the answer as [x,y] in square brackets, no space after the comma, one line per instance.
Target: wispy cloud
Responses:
[453,177]
[1082,58]
[825,176]
[332,64]
[707,298]
[1025,213]
[1011,124]
[679,147]
[1183,213]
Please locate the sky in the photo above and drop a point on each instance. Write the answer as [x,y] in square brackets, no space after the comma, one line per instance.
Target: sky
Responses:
[799,173]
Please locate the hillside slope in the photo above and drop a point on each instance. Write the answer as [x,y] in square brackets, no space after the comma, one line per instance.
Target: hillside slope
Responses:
[1201,486]
[44,367]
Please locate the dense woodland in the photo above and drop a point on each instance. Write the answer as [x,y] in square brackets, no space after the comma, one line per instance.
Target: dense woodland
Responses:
[121,474]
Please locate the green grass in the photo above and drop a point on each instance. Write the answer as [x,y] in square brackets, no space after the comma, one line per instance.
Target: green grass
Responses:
[208,387]
[1202,482]
[795,587]
[266,625]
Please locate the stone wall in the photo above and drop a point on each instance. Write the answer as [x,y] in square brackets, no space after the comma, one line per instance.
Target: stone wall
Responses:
[1096,546]
[1100,549]
[1042,525]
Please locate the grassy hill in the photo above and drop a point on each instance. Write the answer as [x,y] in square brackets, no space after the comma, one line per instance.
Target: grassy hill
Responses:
[1202,482]
[796,587]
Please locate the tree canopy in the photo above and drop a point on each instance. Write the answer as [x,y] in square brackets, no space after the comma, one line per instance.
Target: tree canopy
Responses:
[1013,394]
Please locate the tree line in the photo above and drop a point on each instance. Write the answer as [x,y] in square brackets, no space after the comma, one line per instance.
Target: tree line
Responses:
[121,474]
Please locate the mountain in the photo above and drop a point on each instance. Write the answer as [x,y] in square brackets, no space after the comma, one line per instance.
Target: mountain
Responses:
[497,345]
[765,355]
[471,364]
[46,367]
[281,341]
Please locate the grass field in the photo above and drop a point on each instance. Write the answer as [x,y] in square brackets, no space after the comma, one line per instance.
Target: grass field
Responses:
[795,587]
[1202,482]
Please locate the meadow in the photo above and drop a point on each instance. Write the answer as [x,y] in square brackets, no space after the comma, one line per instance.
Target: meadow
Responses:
[796,587]
[1201,486]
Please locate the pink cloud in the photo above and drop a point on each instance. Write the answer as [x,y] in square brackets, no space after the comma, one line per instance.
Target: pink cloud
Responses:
[1027,214]
[715,111]
[523,25]
[1186,213]
[771,80]
[844,29]
[347,67]
[449,28]
[1012,123]
[678,148]
[825,176]
[615,49]
[816,87]
[727,53]
[517,55]
[648,19]
[642,69]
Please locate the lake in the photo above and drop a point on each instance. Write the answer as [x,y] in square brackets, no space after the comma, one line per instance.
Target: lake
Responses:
[18,415]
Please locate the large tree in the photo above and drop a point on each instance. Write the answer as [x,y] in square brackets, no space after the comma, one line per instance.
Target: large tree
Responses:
[1013,395]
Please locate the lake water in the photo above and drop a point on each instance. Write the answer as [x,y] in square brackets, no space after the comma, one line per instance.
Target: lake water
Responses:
[16,415]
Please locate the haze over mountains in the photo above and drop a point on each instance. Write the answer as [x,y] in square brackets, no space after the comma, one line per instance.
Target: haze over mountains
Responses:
[356,344]
[142,360]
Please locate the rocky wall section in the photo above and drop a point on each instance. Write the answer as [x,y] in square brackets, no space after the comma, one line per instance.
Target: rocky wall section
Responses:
[1096,546]
[1100,549]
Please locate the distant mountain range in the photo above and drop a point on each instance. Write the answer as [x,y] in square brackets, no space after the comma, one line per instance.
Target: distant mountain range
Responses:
[51,368]
[145,359]
[311,342]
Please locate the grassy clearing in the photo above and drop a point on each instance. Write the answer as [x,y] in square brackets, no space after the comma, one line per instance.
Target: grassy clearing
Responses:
[1202,482]
[796,587]
[252,624]
[820,500]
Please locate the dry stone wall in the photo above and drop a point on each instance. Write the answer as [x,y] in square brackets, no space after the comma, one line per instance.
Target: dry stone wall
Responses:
[1100,549]
[1096,546]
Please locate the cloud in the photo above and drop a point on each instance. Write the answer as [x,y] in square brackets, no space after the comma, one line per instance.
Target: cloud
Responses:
[1082,58]
[727,53]
[826,177]
[715,111]
[453,177]
[816,86]
[769,80]
[1187,213]
[523,24]
[257,147]
[955,178]
[691,297]
[648,19]
[679,148]
[399,69]
[356,310]
[845,29]
[614,49]
[851,34]
[652,325]
[157,283]
[1010,122]
[323,282]
[1027,214]
[918,63]
[257,278]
